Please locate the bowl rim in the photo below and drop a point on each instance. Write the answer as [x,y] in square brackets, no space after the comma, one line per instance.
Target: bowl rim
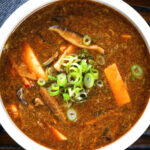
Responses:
[28,9]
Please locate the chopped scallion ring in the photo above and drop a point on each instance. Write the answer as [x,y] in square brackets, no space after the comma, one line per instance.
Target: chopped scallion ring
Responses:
[95,73]
[87,40]
[71,114]
[100,60]
[41,82]
[73,77]
[137,71]
[61,79]
[88,80]
[53,92]
[100,83]
[54,86]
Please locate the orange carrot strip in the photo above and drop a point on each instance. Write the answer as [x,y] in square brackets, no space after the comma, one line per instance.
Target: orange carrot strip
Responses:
[126,36]
[117,85]
[32,62]
[69,50]
[57,134]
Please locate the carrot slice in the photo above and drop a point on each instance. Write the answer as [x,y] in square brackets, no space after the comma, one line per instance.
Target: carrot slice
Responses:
[32,62]
[69,50]
[126,36]
[57,134]
[117,85]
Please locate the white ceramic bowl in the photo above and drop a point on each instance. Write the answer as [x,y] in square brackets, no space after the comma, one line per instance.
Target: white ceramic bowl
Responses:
[26,10]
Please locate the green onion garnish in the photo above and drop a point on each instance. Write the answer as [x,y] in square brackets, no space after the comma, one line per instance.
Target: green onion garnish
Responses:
[41,82]
[88,80]
[95,73]
[71,114]
[87,40]
[53,92]
[77,76]
[137,71]
[66,96]
[61,79]
[100,60]
[50,77]
[54,86]
[73,77]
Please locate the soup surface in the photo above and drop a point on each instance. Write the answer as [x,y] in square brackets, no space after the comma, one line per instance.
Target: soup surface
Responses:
[70,42]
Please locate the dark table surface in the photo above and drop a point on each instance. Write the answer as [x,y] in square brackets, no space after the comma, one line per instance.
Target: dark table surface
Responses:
[8,6]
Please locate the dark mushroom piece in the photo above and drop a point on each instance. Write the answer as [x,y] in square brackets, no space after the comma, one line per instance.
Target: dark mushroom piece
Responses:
[21,97]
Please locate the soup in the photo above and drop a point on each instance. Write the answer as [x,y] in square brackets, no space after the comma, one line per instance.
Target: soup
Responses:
[75,75]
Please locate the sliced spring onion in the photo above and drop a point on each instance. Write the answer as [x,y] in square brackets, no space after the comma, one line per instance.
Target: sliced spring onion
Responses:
[88,80]
[71,114]
[76,65]
[66,96]
[71,92]
[137,71]
[61,79]
[100,60]
[41,82]
[87,40]
[100,83]
[50,77]
[91,61]
[82,95]
[84,66]
[95,73]
[68,60]
[53,92]
[73,77]
[54,86]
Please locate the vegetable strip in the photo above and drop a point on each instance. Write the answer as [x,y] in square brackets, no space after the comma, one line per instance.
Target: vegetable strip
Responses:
[117,85]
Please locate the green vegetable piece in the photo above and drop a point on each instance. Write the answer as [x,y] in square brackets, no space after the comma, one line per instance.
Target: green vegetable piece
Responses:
[71,92]
[50,77]
[53,92]
[71,114]
[100,60]
[73,77]
[95,73]
[54,86]
[137,71]
[41,82]
[87,40]
[88,80]
[61,79]
[100,83]
[66,96]
[84,66]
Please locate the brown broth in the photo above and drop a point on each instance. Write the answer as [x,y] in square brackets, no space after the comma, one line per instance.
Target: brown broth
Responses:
[104,26]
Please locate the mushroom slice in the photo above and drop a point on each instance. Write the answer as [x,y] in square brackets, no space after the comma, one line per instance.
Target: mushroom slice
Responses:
[74,38]
[21,97]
